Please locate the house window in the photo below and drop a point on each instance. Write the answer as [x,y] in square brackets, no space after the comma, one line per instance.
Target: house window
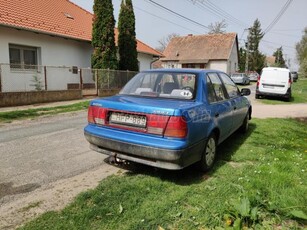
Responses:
[23,57]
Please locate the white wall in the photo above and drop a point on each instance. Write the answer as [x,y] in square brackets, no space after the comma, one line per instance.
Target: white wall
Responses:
[218,65]
[233,63]
[55,51]
[52,51]
[171,64]
[145,61]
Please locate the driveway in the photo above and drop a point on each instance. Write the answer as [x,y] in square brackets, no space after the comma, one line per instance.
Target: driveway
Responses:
[44,164]
[261,110]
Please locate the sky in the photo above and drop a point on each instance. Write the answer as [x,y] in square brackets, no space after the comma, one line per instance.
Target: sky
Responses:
[155,21]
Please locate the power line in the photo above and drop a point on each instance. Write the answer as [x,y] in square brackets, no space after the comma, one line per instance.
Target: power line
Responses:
[177,14]
[276,19]
[291,47]
[165,19]
[216,11]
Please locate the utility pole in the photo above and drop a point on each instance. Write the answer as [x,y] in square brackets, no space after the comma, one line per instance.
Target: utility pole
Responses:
[246,59]
[247,51]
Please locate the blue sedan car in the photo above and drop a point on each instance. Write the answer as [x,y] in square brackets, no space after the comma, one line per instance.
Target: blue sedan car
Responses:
[169,118]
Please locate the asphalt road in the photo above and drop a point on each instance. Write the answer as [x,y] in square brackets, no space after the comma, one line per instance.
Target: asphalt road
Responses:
[34,153]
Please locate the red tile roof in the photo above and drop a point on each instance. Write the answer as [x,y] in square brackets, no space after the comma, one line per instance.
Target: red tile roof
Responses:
[55,17]
[200,47]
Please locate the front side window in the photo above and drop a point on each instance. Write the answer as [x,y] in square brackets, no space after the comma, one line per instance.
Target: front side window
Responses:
[23,57]
[231,87]
[162,85]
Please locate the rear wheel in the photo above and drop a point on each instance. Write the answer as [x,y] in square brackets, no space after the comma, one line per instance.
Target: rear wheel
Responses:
[257,96]
[209,153]
[244,127]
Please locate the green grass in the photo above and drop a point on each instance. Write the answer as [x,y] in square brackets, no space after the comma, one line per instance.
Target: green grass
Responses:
[31,113]
[299,94]
[259,181]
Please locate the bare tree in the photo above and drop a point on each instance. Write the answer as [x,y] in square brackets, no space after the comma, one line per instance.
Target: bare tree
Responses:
[163,42]
[217,27]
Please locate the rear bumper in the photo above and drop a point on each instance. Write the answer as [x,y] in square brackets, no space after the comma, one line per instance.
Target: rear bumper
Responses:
[173,159]
[261,93]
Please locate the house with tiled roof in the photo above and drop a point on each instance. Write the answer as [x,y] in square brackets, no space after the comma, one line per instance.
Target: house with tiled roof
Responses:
[51,33]
[210,51]
[270,61]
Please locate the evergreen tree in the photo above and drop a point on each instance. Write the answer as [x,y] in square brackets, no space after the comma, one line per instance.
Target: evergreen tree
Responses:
[279,58]
[103,40]
[256,58]
[126,38]
[301,54]
[242,59]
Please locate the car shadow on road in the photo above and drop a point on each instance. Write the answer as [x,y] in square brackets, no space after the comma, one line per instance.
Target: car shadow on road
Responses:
[277,99]
[191,174]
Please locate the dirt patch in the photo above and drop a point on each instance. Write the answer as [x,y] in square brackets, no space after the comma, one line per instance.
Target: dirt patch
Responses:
[302,119]
[9,189]
[20,207]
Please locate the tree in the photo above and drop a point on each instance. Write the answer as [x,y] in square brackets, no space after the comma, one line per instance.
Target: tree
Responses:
[127,45]
[163,42]
[242,59]
[103,39]
[255,57]
[279,58]
[217,27]
[301,54]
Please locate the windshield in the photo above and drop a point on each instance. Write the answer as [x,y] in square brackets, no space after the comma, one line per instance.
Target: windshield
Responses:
[162,85]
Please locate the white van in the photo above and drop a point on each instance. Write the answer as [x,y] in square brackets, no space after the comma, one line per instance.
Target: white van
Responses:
[274,81]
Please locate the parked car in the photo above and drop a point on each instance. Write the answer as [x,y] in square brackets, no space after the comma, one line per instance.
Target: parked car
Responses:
[294,76]
[169,118]
[240,78]
[275,82]
[253,76]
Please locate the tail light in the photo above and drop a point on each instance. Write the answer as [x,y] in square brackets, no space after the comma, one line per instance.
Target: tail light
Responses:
[258,82]
[96,115]
[156,124]
[169,126]
[176,127]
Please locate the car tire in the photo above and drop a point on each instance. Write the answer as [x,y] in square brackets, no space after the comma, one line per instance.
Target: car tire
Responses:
[209,154]
[244,127]
[257,96]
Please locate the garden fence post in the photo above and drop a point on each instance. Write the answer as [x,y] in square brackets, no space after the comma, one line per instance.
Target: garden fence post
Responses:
[45,75]
[81,80]
[96,80]
[108,78]
[0,79]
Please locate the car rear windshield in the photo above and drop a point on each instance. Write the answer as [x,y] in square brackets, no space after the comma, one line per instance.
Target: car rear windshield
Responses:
[162,85]
[236,75]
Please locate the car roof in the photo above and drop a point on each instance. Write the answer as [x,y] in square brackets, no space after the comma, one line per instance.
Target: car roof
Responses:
[276,68]
[185,70]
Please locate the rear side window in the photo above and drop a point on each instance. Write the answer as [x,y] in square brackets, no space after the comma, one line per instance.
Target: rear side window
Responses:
[231,87]
[217,86]
[210,91]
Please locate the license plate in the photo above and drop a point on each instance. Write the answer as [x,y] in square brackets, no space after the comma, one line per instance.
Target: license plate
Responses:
[268,86]
[128,119]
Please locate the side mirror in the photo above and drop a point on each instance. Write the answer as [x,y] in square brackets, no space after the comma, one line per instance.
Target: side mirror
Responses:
[245,91]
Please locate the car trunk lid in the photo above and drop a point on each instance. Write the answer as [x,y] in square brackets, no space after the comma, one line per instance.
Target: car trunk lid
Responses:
[164,117]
